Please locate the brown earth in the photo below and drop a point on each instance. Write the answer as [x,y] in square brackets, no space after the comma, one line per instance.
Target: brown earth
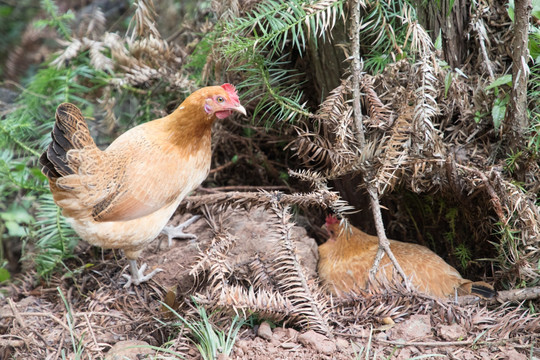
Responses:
[88,309]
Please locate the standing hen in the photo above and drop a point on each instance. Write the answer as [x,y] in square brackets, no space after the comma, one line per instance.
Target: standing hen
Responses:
[347,256]
[122,197]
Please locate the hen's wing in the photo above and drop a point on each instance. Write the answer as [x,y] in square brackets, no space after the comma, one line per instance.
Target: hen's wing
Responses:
[136,176]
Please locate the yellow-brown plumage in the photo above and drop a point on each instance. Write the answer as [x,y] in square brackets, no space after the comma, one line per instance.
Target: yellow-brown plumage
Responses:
[122,197]
[347,256]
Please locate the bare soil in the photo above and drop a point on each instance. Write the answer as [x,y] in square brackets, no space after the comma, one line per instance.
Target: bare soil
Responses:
[87,310]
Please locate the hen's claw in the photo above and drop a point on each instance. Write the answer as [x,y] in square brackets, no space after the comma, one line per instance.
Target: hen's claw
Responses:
[177,232]
[137,275]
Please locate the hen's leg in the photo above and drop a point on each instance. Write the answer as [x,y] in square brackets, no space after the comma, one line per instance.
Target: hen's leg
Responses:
[137,275]
[177,232]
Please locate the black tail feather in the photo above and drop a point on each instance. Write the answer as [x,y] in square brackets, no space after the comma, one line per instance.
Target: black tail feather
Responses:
[485,291]
[69,120]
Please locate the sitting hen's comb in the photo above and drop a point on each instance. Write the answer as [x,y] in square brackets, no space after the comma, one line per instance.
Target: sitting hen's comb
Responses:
[331,219]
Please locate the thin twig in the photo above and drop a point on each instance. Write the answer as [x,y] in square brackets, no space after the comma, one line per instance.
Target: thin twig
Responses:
[401,342]
[91,330]
[384,244]
[491,191]
[242,188]
[226,165]
[59,348]
[514,295]
[16,313]
[356,67]
[480,30]
[12,343]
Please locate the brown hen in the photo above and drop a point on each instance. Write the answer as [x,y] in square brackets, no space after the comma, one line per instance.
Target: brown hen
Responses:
[122,197]
[347,256]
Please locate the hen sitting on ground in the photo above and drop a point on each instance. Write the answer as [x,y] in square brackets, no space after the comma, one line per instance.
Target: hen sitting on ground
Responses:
[347,256]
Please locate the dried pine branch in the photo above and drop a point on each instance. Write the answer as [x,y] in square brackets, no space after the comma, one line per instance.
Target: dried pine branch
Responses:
[266,303]
[144,19]
[380,116]
[311,309]
[323,198]
[396,153]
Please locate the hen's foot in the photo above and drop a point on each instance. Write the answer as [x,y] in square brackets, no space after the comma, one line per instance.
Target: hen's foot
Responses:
[177,232]
[137,275]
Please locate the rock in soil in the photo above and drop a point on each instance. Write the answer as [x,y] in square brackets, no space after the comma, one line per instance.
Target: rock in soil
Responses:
[317,342]
[265,331]
[416,327]
[451,332]
[128,350]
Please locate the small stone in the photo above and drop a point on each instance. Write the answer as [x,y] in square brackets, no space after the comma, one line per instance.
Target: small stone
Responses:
[288,345]
[451,332]
[292,334]
[265,331]
[317,342]
[238,352]
[242,345]
[128,350]
[512,354]
[343,345]
[416,327]
[279,333]
[404,353]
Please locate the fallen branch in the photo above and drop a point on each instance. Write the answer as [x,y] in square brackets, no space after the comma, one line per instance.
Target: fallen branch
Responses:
[491,191]
[384,244]
[514,295]
[322,198]
[443,343]
[242,188]
[12,343]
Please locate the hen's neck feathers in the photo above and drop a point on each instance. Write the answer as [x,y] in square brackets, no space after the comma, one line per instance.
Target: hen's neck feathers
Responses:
[189,122]
[352,241]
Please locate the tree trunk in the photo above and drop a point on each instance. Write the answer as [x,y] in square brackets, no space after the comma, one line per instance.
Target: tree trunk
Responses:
[452,22]
[517,121]
[327,60]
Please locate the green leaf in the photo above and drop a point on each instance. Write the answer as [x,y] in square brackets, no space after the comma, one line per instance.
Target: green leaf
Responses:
[15,229]
[536,9]
[4,275]
[438,41]
[511,10]
[5,11]
[503,80]
[447,82]
[17,214]
[497,112]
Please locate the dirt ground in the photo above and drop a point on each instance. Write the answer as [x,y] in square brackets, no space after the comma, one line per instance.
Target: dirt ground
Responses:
[86,313]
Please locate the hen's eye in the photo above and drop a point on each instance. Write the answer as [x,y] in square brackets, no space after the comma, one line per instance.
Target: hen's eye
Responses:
[220,99]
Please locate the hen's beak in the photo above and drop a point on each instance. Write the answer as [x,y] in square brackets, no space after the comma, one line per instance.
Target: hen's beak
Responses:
[240,109]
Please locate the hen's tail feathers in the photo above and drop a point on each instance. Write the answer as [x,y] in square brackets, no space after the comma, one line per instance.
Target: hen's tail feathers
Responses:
[479,288]
[70,132]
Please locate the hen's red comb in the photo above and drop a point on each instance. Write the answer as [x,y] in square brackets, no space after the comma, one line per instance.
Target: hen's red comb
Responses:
[331,219]
[231,90]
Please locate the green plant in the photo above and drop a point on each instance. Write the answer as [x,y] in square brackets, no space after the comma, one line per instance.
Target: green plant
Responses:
[77,343]
[24,135]
[210,341]
[262,53]
[463,254]
[502,98]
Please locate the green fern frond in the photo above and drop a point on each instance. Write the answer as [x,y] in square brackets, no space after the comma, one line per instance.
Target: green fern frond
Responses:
[274,24]
[261,52]
[384,29]
[58,21]
[55,237]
